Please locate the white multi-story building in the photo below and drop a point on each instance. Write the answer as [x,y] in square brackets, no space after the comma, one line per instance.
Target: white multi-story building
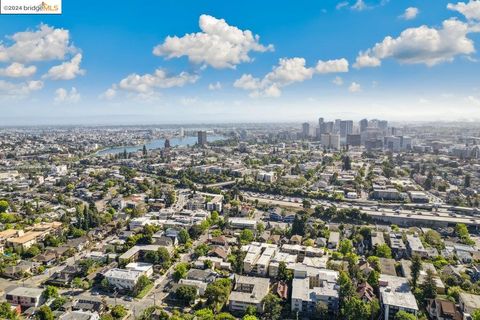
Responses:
[313,285]
[395,295]
[145,268]
[25,297]
[248,291]
[122,279]
[258,257]
[242,223]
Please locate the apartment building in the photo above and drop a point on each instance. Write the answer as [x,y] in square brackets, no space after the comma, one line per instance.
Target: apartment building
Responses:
[25,297]
[313,285]
[248,291]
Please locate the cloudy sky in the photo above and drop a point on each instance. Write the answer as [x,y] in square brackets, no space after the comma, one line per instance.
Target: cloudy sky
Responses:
[209,61]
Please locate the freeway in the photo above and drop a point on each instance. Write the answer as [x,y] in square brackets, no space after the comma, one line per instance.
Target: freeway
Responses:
[394,213]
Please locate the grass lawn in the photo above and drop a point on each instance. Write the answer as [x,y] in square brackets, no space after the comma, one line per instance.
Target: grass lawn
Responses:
[145,291]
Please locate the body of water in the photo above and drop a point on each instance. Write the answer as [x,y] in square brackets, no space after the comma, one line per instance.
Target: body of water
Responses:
[158,144]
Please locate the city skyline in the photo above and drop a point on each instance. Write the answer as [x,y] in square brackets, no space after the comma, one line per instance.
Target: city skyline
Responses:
[162,63]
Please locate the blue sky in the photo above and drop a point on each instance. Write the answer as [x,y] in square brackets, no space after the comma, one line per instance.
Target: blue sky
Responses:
[103,66]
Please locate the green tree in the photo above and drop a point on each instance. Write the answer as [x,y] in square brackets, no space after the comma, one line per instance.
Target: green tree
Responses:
[183,236]
[373,278]
[429,286]
[217,293]
[44,313]
[272,305]
[462,232]
[50,292]
[4,206]
[187,294]
[476,315]
[403,315]
[181,271]
[346,288]
[383,251]
[355,309]
[58,302]
[6,311]
[118,311]
[204,314]
[224,316]
[306,204]
[434,239]
[33,251]
[142,283]
[163,257]
[415,269]
[283,273]
[345,246]
[246,236]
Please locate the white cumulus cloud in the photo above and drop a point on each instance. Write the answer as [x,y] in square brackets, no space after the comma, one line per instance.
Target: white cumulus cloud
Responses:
[470,10]
[145,86]
[338,81]
[332,66]
[410,13]
[215,86]
[64,96]
[18,70]
[354,87]
[19,90]
[287,72]
[68,70]
[218,44]
[44,44]
[422,45]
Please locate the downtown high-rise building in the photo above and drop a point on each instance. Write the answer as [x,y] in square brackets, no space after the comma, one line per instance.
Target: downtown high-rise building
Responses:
[202,138]
[346,127]
[363,125]
[305,130]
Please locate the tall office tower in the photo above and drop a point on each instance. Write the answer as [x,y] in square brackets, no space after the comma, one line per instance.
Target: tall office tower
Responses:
[321,126]
[306,130]
[202,138]
[363,125]
[181,132]
[336,126]
[167,143]
[382,124]
[373,123]
[346,127]
[328,127]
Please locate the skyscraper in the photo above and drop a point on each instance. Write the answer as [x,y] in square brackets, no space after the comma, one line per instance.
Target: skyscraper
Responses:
[336,126]
[306,130]
[363,125]
[321,126]
[202,138]
[346,127]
